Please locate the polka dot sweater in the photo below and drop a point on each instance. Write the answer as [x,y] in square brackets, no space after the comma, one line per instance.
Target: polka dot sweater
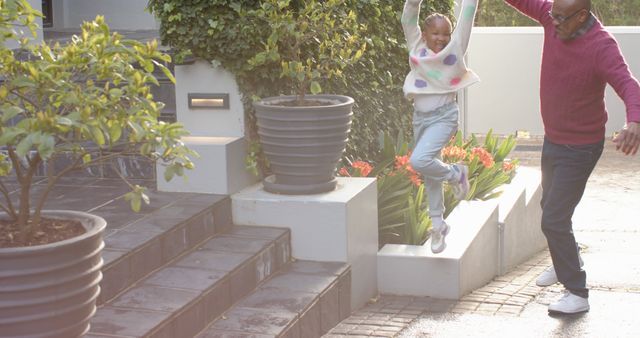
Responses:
[573,77]
[443,72]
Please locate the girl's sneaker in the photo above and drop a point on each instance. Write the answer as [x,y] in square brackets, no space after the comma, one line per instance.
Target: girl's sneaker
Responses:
[460,187]
[437,238]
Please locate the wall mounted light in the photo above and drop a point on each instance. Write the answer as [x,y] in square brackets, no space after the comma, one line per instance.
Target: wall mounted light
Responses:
[208,101]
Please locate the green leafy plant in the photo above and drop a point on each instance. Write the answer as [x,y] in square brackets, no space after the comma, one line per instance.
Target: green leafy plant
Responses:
[394,193]
[418,222]
[402,204]
[489,167]
[310,40]
[88,101]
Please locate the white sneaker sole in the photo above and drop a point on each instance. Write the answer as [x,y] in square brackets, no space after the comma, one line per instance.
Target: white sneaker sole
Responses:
[443,246]
[575,312]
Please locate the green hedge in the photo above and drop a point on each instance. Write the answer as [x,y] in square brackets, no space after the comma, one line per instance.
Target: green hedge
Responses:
[218,30]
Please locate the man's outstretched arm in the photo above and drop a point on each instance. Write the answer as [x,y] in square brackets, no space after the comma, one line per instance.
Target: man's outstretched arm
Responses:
[535,9]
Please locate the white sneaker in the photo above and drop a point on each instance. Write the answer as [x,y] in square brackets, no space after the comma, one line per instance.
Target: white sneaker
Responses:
[461,187]
[569,304]
[549,277]
[437,238]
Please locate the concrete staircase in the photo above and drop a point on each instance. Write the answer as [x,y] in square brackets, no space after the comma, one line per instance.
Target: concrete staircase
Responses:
[183,270]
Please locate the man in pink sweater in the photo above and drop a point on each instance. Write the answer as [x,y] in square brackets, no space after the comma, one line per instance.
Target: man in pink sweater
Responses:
[579,59]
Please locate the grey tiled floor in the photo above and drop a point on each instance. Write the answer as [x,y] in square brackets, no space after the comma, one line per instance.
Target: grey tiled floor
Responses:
[607,226]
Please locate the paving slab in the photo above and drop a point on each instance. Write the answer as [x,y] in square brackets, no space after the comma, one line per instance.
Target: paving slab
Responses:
[126,322]
[607,226]
[179,277]
[613,314]
[278,300]
[154,298]
[262,321]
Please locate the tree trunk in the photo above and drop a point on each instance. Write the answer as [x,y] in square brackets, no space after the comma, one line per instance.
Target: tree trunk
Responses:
[23,212]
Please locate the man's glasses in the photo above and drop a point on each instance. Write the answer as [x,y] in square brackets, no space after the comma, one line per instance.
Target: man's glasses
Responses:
[561,19]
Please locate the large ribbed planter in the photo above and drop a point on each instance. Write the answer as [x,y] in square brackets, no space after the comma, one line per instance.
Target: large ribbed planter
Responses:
[50,290]
[303,144]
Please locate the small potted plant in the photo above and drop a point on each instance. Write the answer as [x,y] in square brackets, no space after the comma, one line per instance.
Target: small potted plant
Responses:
[304,135]
[73,106]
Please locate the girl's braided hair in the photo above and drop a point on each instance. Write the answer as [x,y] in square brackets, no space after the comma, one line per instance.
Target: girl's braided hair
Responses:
[435,16]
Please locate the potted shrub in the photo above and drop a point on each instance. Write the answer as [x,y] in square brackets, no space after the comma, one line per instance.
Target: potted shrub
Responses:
[72,107]
[304,135]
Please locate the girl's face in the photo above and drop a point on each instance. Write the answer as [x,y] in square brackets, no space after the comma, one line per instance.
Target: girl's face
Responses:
[437,34]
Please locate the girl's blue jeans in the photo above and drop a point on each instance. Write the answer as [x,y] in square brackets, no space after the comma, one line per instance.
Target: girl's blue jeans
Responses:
[432,131]
[565,171]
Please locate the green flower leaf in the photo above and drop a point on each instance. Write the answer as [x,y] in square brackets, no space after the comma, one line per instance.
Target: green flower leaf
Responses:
[315,88]
[9,135]
[9,112]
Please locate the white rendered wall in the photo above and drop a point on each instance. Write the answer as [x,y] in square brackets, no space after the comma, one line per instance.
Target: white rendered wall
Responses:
[469,261]
[336,226]
[487,239]
[119,14]
[216,134]
[507,59]
[201,77]
[37,5]
[220,169]
[519,217]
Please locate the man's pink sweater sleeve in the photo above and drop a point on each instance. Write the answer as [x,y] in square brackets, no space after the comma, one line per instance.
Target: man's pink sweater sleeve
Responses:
[617,74]
[535,9]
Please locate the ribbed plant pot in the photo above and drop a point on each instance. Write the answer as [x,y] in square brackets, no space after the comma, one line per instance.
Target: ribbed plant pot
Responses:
[303,144]
[51,290]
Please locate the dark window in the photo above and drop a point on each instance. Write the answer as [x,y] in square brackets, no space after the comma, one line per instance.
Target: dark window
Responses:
[47,11]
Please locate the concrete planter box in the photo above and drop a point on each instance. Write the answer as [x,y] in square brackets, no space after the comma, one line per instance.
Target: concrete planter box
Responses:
[487,239]
[336,226]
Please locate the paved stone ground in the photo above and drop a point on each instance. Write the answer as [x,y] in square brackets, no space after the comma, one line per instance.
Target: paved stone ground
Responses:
[607,226]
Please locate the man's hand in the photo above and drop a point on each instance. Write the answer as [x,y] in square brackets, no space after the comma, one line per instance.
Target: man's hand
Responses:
[628,140]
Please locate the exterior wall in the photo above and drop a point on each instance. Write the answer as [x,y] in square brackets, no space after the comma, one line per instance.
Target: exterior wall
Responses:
[507,59]
[59,13]
[120,14]
[201,77]
[336,226]
[37,5]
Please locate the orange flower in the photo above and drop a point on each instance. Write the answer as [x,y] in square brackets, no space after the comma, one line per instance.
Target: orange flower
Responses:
[403,164]
[414,176]
[402,161]
[357,169]
[507,166]
[415,179]
[483,155]
[363,168]
[344,172]
[453,154]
